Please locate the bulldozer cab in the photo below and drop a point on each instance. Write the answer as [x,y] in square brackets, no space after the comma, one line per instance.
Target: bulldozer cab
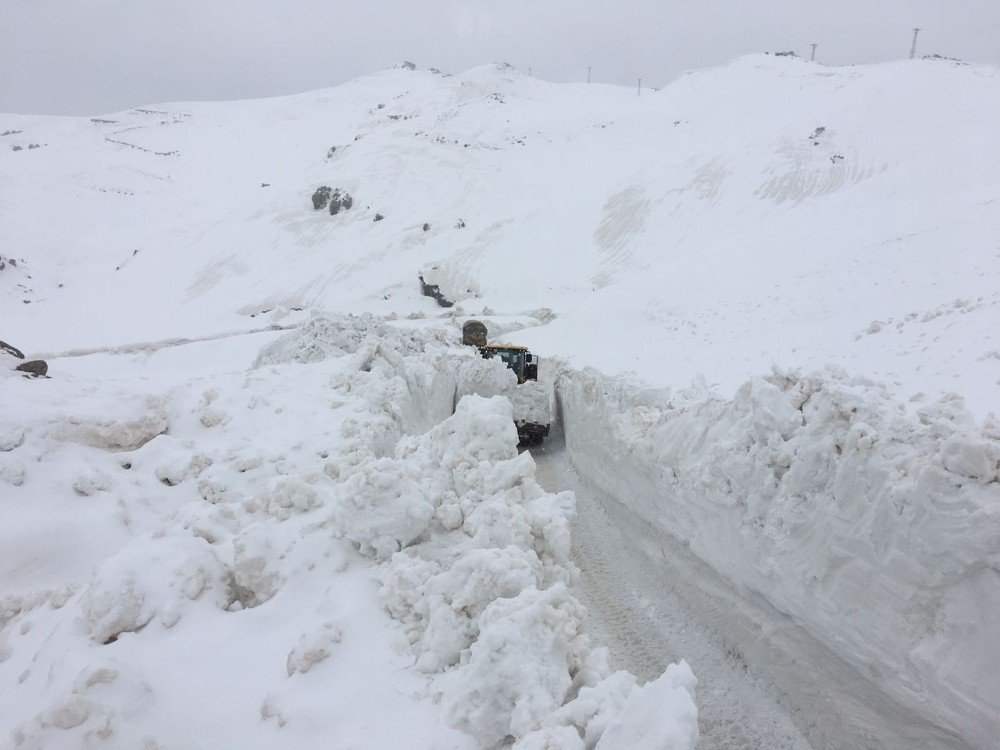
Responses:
[517,358]
[474,333]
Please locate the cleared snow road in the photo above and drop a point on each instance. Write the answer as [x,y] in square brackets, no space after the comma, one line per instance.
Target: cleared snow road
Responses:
[635,597]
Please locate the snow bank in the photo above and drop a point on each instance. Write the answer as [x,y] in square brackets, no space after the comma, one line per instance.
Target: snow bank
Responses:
[875,530]
[483,590]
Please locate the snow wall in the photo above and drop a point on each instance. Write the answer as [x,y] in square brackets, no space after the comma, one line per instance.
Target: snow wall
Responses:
[848,546]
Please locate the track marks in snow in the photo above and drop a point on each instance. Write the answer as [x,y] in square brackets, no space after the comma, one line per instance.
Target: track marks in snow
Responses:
[639,614]
[625,215]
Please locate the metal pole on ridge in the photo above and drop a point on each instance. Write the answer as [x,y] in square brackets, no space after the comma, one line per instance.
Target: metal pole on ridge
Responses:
[588,74]
[638,88]
[913,47]
[812,57]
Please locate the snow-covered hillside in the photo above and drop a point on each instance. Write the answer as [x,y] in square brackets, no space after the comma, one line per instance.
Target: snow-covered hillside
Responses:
[771,211]
[786,278]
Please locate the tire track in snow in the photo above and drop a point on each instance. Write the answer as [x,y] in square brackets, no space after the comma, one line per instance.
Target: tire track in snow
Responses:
[643,620]
[153,346]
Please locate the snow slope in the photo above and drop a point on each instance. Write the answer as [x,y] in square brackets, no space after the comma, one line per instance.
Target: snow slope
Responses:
[838,224]
[712,219]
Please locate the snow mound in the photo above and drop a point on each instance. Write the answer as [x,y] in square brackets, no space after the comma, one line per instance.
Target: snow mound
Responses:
[475,564]
[153,577]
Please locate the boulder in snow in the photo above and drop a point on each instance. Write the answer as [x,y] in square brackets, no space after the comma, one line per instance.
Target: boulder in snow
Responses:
[5,347]
[321,198]
[340,200]
[36,368]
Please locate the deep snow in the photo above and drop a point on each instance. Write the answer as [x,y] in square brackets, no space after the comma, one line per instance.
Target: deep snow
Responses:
[785,275]
[244,537]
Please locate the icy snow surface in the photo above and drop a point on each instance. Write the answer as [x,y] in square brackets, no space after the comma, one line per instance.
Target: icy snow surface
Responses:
[230,494]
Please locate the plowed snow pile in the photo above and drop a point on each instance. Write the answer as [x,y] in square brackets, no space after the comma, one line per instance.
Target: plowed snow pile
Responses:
[242,540]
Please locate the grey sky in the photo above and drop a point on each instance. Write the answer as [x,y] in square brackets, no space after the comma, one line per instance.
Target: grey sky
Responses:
[94,56]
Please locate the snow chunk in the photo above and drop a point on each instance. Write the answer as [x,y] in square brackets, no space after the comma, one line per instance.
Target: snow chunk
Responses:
[661,715]
[971,457]
[521,667]
[151,577]
[313,647]
[256,576]
[283,497]
[10,438]
[116,435]
[11,471]
[91,481]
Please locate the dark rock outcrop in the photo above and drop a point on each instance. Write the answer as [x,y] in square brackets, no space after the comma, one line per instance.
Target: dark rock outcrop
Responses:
[427,227]
[36,368]
[321,197]
[433,290]
[5,347]
[340,200]
[378,217]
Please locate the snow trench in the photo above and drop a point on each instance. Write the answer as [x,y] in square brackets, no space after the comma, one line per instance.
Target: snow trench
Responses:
[850,545]
[474,556]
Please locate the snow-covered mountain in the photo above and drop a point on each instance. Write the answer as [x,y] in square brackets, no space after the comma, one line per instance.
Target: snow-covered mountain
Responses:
[768,212]
[828,234]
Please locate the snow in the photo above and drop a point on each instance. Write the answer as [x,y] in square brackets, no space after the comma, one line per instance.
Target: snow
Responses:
[264,477]
[383,551]
[709,220]
[874,530]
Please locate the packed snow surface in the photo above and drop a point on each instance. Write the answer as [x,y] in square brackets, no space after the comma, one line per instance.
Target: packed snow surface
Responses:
[229,493]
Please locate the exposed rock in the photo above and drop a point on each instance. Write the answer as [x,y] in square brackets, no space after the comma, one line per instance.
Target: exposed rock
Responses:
[433,290]
[378,217]
[427,227]
[5,347]
[407,65]
[36,368]
[321,197]
[265,184]
[460,224]
[16,148]
[332,150]
[340,200]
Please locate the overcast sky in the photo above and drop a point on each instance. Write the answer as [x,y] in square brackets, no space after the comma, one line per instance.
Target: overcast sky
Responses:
[96,56]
